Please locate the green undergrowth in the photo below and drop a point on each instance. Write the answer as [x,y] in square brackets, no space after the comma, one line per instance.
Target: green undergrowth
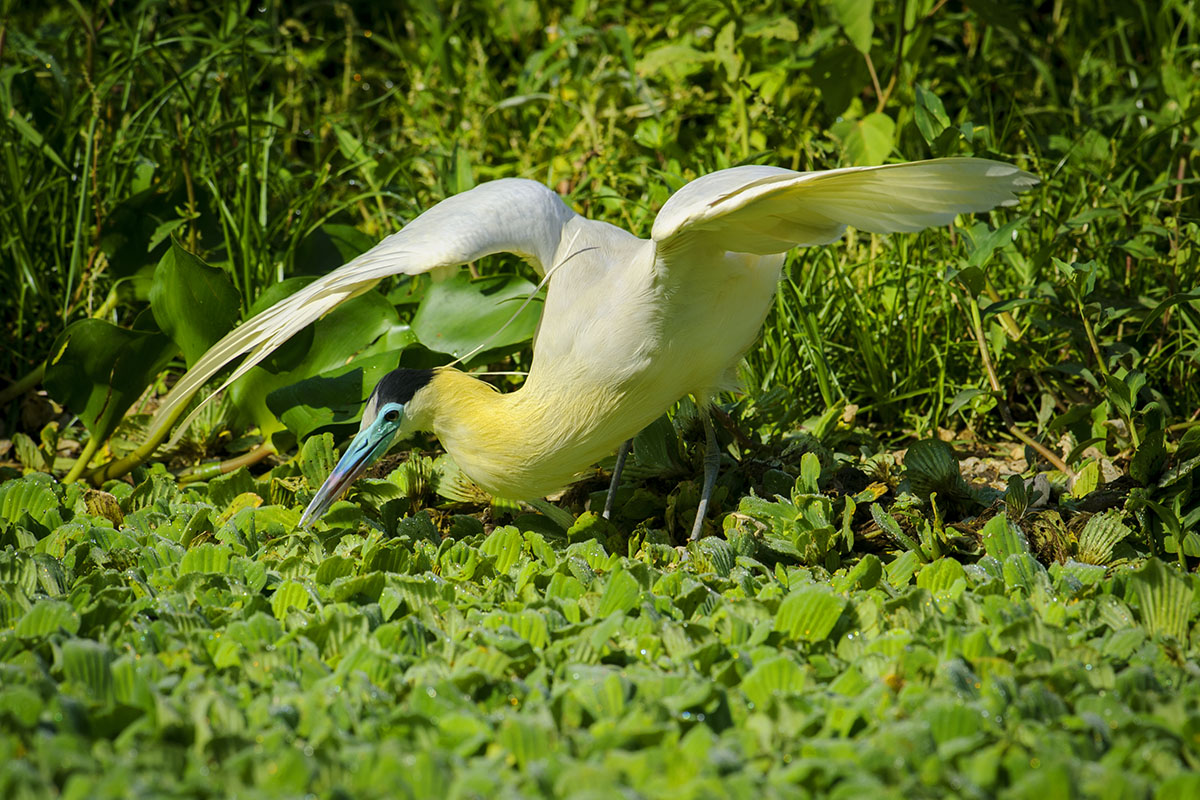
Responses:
[159,641]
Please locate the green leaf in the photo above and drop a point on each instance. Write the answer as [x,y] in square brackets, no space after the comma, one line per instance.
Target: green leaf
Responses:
[205,558]
[719,553]
[930,466]
[1164,599]
[333,568]
[777,676]
[30,495]
[810,473]
[460,314]
[1023,571]
[193,303]
[1087,480]
[33,137]
[334,398]
[930,115]
[527,739]
[855,18]
[949,721]
[1002,538]
[1151,456]
[809,613]
[98,370]
[288,595]
[621,593]
[505,544]
[89,664]
[46,617]
[867,141]
[945,579]
[888,525]
[317,459]
[1101,533]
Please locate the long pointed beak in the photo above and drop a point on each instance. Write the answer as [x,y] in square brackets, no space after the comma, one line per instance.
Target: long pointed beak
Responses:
[363,451]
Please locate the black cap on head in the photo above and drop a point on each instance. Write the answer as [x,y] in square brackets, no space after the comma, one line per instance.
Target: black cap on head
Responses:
[399,385]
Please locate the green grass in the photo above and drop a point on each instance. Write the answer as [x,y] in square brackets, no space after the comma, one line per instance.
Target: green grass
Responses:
[862,623]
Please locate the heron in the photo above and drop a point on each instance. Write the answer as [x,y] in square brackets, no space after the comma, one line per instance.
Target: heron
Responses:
[629,325]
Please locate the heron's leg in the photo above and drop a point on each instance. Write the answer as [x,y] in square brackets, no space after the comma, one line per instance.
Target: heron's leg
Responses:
[712,465]
[622,452]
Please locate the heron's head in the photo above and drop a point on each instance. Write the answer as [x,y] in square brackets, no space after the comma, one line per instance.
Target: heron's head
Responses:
[383,418]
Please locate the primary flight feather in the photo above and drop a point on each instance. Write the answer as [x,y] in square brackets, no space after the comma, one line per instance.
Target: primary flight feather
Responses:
[629,325]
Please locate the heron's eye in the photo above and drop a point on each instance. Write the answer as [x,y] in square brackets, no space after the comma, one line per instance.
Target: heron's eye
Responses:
[392,415]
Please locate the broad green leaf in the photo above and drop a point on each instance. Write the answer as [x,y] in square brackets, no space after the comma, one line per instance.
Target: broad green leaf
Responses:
[930,114]
[1022,570]
[945,579]
[317,459]
[505,544]
[31,495]
[855,17]
[867,141]
[810,473]
[1087,480]
[333,399]
[865,574]
[949,721]
[930,466]
[1099,536]
[98,370]
[903,567]
[777,676]
[289,594]
[621,593]
[46,617]
[205,558]
[460,314]
[1002,538]
[193,303]
[1164,599]
[719,554]
[527,739]
[333,568]
[21,703]
[88,663]
[809,612]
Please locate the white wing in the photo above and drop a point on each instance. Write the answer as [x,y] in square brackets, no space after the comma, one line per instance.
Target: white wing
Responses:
[509,215]
[764,210]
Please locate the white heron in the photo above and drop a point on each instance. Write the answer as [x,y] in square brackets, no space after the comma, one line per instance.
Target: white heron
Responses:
[629,325]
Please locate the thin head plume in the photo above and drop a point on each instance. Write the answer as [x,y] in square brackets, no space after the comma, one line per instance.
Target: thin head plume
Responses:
[528,299]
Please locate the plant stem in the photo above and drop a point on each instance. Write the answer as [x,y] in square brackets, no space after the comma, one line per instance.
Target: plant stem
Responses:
[204,472]
[1010,424]
[22,385]
[89,451]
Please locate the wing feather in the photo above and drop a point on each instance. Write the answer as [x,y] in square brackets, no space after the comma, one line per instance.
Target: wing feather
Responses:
[508,215]
[762,210]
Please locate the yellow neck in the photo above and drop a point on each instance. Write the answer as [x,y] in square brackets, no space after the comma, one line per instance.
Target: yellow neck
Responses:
[522,444]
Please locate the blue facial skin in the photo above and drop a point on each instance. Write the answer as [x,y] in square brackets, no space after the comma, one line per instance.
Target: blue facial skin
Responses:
[370,443]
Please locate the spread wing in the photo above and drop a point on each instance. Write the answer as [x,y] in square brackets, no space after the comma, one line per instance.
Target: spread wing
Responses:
[762,210]
[509,215]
